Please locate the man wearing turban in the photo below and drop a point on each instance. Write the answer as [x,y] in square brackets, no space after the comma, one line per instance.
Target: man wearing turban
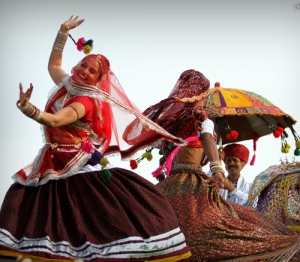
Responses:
[236,188]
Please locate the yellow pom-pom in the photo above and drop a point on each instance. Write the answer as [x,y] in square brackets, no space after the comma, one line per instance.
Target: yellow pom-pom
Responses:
[288,146]
[87,49]
[282,149]
[104,161]
[286,150]
[147,155]
[298,143]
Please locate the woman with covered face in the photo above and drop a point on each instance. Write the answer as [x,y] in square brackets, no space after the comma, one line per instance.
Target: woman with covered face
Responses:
[67,204]
[215,230]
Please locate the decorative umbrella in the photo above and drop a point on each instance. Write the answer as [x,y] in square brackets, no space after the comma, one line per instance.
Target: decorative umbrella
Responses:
[243,115]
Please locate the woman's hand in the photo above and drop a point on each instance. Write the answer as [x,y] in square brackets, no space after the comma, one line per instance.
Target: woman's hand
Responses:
[71,23]
[218,180]
[24,96]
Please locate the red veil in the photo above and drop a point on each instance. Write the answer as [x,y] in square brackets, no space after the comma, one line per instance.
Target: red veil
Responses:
[115,111]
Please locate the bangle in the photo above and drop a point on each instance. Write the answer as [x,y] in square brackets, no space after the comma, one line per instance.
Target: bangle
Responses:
[30,111]
[68,28]
[60,41]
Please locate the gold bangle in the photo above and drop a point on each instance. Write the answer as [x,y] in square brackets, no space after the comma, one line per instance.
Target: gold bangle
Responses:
[68,28]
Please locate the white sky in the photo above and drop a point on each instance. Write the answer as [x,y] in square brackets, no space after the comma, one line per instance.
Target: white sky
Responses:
[251,45]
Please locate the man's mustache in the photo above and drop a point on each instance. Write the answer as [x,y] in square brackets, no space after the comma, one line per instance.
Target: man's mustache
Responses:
[231,166]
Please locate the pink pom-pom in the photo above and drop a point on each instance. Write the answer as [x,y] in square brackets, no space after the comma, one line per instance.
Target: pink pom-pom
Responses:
[79,43]
[87,147]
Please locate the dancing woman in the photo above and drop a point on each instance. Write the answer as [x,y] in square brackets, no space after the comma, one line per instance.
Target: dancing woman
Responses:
[68,204]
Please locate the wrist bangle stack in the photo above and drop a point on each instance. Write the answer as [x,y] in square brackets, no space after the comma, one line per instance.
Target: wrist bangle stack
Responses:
[31,111]
[60,41]
[216,166]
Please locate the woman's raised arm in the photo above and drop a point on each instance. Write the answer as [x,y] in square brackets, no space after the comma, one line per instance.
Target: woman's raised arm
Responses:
[55,60]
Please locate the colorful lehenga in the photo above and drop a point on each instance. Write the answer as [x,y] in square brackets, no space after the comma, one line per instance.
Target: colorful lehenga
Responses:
[63,206]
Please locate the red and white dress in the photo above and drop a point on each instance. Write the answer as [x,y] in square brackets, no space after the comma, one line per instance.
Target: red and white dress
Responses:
[61,208]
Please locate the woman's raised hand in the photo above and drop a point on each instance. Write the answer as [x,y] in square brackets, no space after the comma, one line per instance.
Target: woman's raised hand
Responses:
[71,23]
[24,96]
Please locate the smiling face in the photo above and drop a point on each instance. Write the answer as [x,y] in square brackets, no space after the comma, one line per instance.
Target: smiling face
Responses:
[234,165]
[88,71]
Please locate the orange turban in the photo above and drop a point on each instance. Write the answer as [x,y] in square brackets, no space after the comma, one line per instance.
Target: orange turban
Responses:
[237,150]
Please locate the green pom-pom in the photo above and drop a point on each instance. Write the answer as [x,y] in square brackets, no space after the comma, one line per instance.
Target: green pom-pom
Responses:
[298,143]
[88,42]
[161,152]
[105,174]
[148,156]
[297,152]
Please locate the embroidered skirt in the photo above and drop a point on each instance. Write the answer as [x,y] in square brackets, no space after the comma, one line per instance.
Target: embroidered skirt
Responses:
[124,218]
[217,230]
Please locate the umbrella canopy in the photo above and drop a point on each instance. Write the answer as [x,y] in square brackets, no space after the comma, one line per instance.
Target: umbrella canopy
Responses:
[245,112]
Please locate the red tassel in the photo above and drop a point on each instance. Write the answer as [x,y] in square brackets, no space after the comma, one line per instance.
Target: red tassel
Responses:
[133,164]
[255,138]
[253,160]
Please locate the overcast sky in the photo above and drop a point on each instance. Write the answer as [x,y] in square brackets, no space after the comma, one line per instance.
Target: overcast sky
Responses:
[251,45]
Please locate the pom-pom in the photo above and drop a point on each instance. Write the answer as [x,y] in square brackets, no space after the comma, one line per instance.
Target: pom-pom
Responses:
[276,133]
[80,43]
[133,164]
[217,84]
[234,134]
[105,174]
[88,46]
[298,143]
[228,137]
[147,155]
[104,162]
[87,49]
[96,156]
[280,129]
[297,152]
[286,150]
[161,152]
[87,147]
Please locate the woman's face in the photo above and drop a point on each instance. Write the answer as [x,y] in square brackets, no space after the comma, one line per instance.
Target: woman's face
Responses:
[87,72]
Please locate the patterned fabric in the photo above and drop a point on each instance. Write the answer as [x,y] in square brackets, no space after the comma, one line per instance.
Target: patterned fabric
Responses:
[125,217]
[275,193]
[218,231]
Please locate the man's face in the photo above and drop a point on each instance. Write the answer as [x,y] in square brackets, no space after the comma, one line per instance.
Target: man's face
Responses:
[233,165]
